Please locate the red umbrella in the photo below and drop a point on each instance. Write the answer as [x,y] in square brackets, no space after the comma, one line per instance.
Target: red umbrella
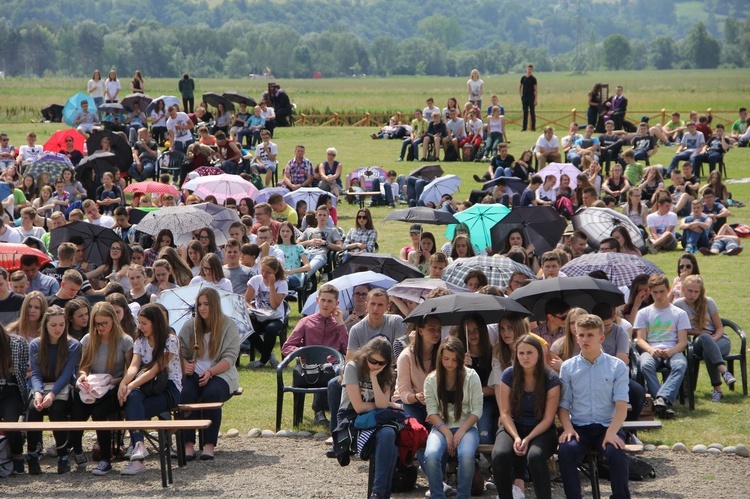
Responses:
[151,187]
[10,256]
[56,143]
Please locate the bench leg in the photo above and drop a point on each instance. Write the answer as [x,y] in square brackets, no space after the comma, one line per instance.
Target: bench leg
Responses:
[594,475]
[163,448]
[200,433]
[180,441]
[371,475]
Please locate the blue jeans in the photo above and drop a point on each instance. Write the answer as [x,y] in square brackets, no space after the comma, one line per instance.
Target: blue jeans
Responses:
[713,158]
[334,401]
[293,282]
[385,457]
[502,172]
[242,133]
[216,390]
[414,188]
[677,365]
[98,101]
[713,352]
[640,154]
[724,245]
[435,455]
[493,141]
[677,158]
[590,438]
[140,407]
[145,174]
[229,167]
[487,424]
[696,239]
[182,146]
[317,262]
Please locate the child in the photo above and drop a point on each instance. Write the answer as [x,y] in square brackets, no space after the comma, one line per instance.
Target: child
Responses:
[662,337]
[592,419]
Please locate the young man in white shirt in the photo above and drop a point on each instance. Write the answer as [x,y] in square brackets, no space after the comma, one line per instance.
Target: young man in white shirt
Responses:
[661,226]
[94,217]
[547,147]
[265,157]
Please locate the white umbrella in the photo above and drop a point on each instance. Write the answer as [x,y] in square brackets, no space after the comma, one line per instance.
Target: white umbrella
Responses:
[180,303]
[222,187]
[598,224]
[221,219]
[169,100]
[346,285]
[435,190]
[179,219]
[309,195]
[266,193]
[558,169]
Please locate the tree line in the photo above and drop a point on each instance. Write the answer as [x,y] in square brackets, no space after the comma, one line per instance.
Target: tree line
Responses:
[386,39]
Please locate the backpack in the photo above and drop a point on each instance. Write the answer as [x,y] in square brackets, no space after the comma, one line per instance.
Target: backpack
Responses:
[479,153]
[6,458]
[638,468]
[468,152]
[411,438]
[450,154]
[741,230]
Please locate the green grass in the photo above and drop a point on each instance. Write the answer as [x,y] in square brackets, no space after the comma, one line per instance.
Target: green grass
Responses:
[725,423]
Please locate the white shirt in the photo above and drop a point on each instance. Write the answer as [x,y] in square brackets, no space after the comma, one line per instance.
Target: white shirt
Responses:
[183,135]
[112,87]
[96,88]
[104,221]
[10,235]
[268,113]
[551,144]
[263,150]
[661,222]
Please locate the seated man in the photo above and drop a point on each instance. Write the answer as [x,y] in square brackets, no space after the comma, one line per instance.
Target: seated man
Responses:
[716,211]
[145,153]
[644,144]
[324,327]
[435,133]
[556,311]
[528,197]
[241,124]
[716,147]
[265,157]
[282,212]
[682,195]
[85,120]
[318,240]
[135,121]
[693,143]
[661,226]
[610,145]
[298,171]
[456,131]
[394,129]
[633,170]
[37,281]
[578,242]
[505,195]
[264,218]
[661,330]
[586,144]
[7,152]
[547,148]
[674,128]
[569,141]
[739,127]
[696,229]
[415,136]
[593,407]
[256,125]
[617,108]
[230,153]
[692,180]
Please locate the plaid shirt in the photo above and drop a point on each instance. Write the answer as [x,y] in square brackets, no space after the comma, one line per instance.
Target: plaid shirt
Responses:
[299,171]
[367,236]
[20,354]
[542,331]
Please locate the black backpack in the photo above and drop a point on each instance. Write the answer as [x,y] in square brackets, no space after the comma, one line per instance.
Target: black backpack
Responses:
[638,469]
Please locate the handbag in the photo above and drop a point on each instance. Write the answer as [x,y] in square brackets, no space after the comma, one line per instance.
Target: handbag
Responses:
[155,386]
[63,395]
[312,375]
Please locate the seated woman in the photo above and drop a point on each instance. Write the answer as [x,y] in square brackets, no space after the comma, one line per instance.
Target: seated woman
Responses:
[413,365]
[181,271]
[53,358]
[124,313]
[639,297]
[529,396]
[616,185]
[461,247]
[516,237]
[415,231]
[461,229]
[475,280]
[564,197]
[223,119]
[138,293]
[330,173]
[626,242]
[296,261]
[473,333]
[210,345]
[14,362]
[265,294]
[686,265]
[211,272]
[710,342]
[453,395]
[361,238]
[77,313]
[650,185]
[421,258]
[107,352]
[367,382]
[115,269]
[33,309]
[162,279]
[156,354]
[163,239]
[566,346]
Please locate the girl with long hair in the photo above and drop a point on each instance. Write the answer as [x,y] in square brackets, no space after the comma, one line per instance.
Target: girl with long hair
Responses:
[530,394]
[14,362]
[138,293]
[626,242]
[77,312]
[193,256]
[361,238]
[155,350]
[710,342]
[210,345]
[635,209]
[162,278]
[181,272]
[212,273]
[582,182]
[566,346]
[595,102]
[33,308]
[453,395]
[616,185]
[473,333]
[366,383]
[653,182]
[207,238]
[107,352]
[686,265]
[266,293]
[246,207]
[639,297]
[53,358]
[116,267]
[238,232]
[461,247]
[421,258]
[296,261]
[163,239]
[123,313]
[158,118]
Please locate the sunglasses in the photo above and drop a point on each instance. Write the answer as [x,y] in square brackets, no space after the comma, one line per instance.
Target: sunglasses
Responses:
[376,362]
[361,217]
[562,317]
[360,295]
[686,266]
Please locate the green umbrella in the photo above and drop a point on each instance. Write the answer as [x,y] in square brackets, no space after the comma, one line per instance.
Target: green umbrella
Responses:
[480,218]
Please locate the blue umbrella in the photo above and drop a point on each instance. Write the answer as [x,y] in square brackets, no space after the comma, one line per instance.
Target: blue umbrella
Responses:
[5,190]
[480,218]
[346,285]
[73,107]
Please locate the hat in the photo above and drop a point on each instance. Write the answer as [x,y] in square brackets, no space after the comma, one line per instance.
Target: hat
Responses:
[192,175]
[644,119]
[415,228]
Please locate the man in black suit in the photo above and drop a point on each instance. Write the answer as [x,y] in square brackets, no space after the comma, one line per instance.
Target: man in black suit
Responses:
[617,107]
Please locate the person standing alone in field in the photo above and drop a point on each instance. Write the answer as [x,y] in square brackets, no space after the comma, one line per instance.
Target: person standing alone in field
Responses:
[528,91]
[187,86]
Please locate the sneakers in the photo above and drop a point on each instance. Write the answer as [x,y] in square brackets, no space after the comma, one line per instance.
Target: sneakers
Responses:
[490,485]
[321,419]
[81,461]
[399,160]
[729,378]
[660,406]
[256,364]
[651,248]
[477,178]
[716,397]
[102,469]
[705,251]
[447,490]
[518,493]
[139,452]
[128,451]
[33,462]
[63,465]
[734,251]
[690,248]
[133,468]
[273,362]
[18,468]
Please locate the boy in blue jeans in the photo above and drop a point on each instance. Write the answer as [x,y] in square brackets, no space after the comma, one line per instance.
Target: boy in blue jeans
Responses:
[593,407]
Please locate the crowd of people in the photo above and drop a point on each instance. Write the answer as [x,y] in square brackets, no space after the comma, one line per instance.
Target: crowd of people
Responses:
[80,340]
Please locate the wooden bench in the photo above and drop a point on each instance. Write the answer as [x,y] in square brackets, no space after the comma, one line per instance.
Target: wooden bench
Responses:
[162,427]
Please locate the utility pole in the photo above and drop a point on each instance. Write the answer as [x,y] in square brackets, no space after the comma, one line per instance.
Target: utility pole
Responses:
[580,61]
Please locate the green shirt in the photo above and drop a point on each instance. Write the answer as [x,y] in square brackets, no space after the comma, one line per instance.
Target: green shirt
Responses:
[634,172]
[739,126]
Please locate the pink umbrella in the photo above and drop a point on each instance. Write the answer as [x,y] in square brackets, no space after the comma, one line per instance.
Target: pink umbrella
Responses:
[151,187]
[560,169]
[222,187]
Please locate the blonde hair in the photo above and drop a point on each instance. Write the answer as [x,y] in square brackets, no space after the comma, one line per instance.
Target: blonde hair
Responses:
[105,309]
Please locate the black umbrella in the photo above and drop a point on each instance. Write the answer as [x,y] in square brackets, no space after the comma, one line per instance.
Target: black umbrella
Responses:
[142,99]
[542,226]
[213,99]
[100,162]
[239,98]
[584,292]
[427,172]
[422,215]
[53,113]
[120,147]
[382,263]
[97,239]
[452,309]
[514,184]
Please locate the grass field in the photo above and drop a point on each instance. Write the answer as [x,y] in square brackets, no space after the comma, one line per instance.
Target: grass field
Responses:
[725,422]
